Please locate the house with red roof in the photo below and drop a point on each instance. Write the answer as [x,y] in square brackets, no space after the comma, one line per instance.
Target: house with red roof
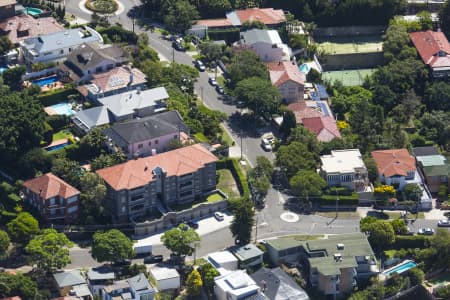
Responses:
[286,76]
[7,8]
[434,49]
[316,116]
[270,17]
[395,167]
[170,178]
[56,200]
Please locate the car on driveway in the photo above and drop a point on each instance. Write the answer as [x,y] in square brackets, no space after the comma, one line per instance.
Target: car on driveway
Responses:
[153,259]
[219,216]
[220,90]
[212,81]
[444,223]
[199,65]
[426,231]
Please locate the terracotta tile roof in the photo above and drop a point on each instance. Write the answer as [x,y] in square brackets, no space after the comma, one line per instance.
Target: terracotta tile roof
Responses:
[35,27]
[302,111]
[394,162]
[12,298]
[430,44]
[118,78]
[268,16]
[281,72]
[49,185]
[215,22]
[139,172]
[324,128]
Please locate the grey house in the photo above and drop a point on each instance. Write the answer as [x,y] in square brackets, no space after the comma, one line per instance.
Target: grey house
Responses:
[143,185]
[146,136]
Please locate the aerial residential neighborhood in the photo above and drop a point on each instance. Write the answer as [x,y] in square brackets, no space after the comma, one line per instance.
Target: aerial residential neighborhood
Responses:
[224,150]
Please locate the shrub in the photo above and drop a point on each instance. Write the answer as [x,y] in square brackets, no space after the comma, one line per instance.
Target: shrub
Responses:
[118,34]
[58,122]
[384,192]
[56,96]
[343,200]
[415,241]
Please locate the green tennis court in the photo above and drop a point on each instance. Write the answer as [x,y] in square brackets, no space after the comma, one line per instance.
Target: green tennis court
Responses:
[348,77]
[347,45]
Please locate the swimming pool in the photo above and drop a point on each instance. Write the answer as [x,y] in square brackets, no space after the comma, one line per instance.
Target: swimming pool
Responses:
[304,68]
[63,108]
[32,11]
[44,81]
[3,69]
[57,147]
[400,268]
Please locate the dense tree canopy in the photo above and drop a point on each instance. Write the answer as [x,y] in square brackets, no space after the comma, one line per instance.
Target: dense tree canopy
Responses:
[23,228]
[293,158]
[246,64]
[18,285]
[4,242]
[307,184]
[242,224]
[111,246]
[180,240]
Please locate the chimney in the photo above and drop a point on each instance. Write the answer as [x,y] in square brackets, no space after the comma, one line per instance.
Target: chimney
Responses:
[279,62]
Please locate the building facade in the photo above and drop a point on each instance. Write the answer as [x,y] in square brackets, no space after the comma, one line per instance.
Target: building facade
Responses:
[286,76]
[56,200]
[174,177]
[7,9]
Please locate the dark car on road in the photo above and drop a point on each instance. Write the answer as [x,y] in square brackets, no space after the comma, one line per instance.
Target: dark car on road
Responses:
[220,90]
[123,262]
[193,224]
[177,46]
[199,65]
[153,259]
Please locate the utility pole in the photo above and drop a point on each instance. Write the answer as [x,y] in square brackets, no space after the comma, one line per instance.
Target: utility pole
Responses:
[133,22]
[215,72]
[241,143]
[173,55]
[201,92]
[337,202]
[256,229]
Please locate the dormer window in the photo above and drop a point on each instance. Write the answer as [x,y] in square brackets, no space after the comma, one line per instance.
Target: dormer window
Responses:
[442,54]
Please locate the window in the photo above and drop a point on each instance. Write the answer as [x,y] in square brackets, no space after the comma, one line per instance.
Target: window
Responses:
[140,146]
[70,49]
[52,201]
[72,209]
[156,142]
[72,200]
[188,183]
[61,51]
[150,143]
[185,194]
[175,137]
[137,197]
[99,69]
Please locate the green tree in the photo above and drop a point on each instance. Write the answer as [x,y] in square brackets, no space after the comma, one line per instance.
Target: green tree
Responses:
[21,124]
[242,224]
[183,76]
[93,143]
[18,285]
[413,191]
[259,95]
[263,166]
[307,184]
[289,123]
[260,183]
[425,20]
[179,15]
[440,243]
[35,161]
[208,273]
[93,191]
[294,157]
[437,96]
[395,40]
[416,276]
[211,52]
[180,240]
[112,246]
[4,242]
[381,234]
[303,136]
[23,228]
[68,170]
[5,44]
[399,226]
[49,250]
[245,64]
[194,283]
[435,126]
[13,77]
[444,17]
[314,76]
[107,160]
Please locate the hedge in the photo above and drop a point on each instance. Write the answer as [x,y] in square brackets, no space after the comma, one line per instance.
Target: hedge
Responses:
[229,35]
[238,175]
[56,96]
[343,200]
[414,241]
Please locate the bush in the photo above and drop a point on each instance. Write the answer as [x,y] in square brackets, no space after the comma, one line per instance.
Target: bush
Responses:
[415,241]
[341,191]
[58,122]
[343,200]
[118,34]
[102,6]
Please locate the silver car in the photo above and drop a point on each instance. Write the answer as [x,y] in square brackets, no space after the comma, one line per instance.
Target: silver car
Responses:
[444,223]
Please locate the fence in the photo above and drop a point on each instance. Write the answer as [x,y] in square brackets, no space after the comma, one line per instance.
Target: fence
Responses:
[175,217]
[349,30]
[38,74]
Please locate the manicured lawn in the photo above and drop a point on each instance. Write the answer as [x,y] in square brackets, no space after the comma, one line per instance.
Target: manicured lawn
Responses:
[200,137]
[214,198]
[341,214]
[62,134]
[390,253]
[396,215]
[303,237]
[227,184]
[227,138]
[198,262]
[210,199]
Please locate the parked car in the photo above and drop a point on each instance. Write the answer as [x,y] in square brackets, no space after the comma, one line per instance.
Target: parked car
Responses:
[193,224]
[123,262]
[266,145]
[178,46]
[220,90]
[153,259]
[219,216]
[212,81]
[426,231]
[199,65]
[240,104]
[444,223]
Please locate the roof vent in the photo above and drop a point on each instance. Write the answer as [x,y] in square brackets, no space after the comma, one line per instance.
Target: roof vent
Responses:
[340,246]
[337,257]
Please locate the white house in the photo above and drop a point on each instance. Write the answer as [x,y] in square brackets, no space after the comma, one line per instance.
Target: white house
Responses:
[57,45]
[236,285]
[267,44]
[165,278]
[345,168]
[223,261]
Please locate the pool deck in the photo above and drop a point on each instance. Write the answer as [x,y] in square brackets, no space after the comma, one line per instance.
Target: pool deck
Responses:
[50,111]
[47,87]
[56,143]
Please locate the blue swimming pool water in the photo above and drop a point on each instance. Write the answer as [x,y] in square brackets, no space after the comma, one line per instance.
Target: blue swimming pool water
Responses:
[63,109]
[3,69]
[401,268]
[45,81]
[304,68]
[32,11]
[56,147]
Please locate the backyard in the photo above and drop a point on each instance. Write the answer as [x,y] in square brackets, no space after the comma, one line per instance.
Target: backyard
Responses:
[211,198]
[350,44]
[227,184]
[348,77]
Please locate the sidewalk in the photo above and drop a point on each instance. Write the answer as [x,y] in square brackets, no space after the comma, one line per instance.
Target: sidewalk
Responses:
[205,226]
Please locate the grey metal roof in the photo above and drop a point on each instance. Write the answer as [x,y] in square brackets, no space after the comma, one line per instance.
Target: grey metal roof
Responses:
[425,151]
[139,282]
[100,273]
[278,285]
[62,39]
[82,290]
[246,252]
[92,117]
[261,35]
[68,278]
[126,103]
[146,128]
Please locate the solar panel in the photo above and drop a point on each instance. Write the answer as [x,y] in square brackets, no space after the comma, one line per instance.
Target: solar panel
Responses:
[115,81]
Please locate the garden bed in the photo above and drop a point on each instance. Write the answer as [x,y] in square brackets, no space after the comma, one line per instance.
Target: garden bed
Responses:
[102,6]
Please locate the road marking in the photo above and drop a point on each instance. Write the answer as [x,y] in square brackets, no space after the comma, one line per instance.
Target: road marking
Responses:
[313,225]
